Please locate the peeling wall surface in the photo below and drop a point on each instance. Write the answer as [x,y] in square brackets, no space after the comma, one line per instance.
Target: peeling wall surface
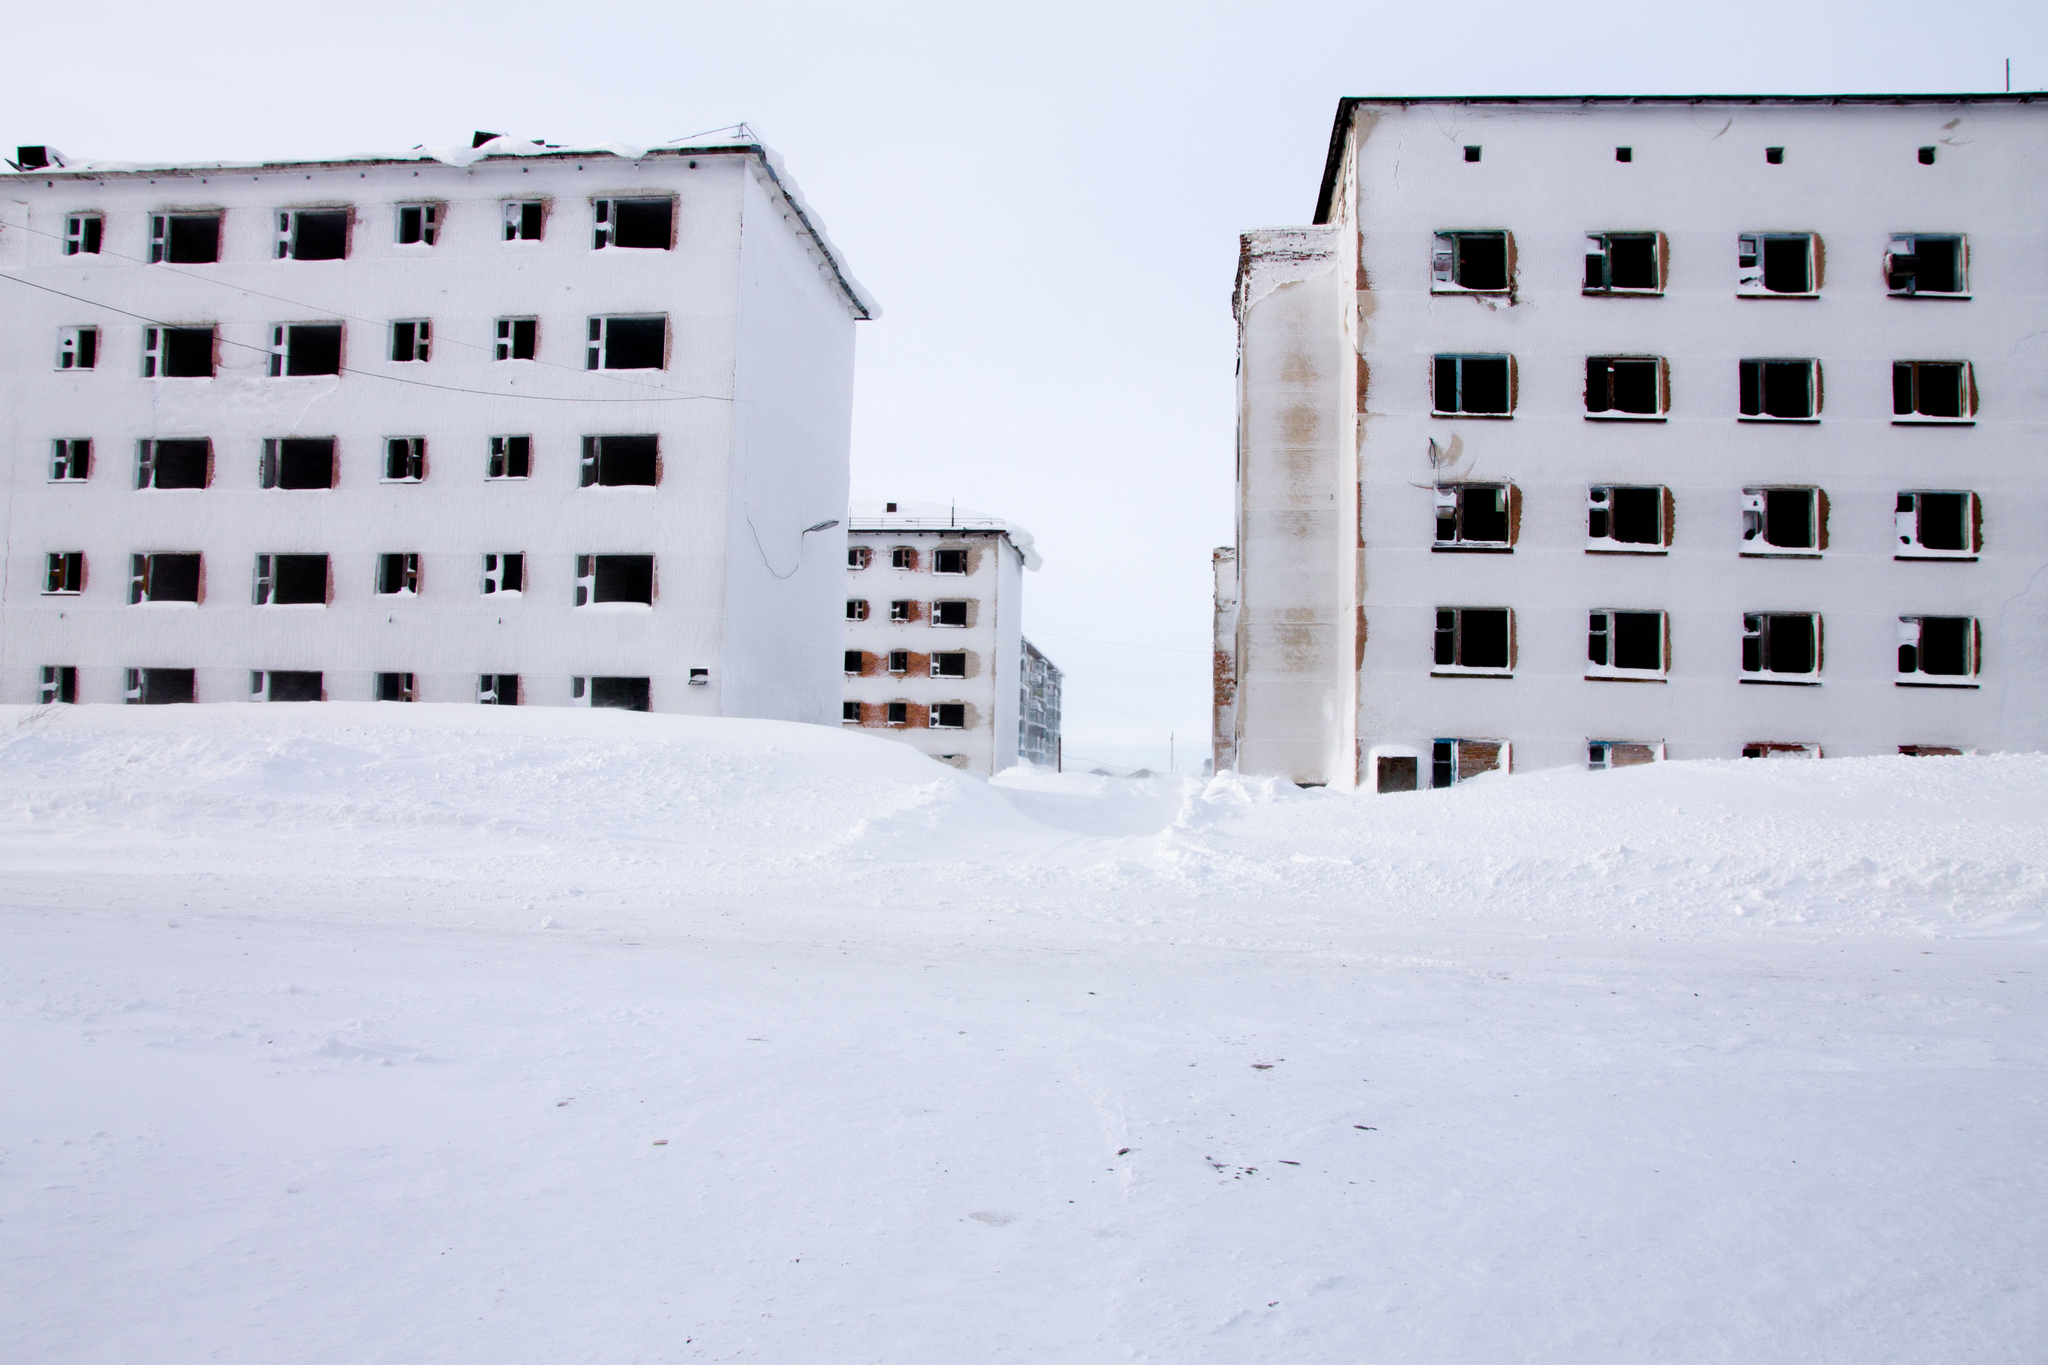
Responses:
[1223,667]
[1852,174]
[751,410]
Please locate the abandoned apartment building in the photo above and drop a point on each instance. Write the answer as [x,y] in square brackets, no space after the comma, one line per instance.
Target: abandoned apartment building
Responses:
[1603,430]
[935,647]
[512,423]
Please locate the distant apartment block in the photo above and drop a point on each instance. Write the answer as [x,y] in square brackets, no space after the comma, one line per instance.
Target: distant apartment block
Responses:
[1605,430]
[935,650]
[512,424]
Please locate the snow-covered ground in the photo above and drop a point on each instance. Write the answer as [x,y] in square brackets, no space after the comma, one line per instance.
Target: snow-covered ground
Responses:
[362,1034]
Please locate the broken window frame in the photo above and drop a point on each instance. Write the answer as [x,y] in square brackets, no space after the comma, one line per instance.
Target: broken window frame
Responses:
[58,685]
[70,459]
[267,574]
[849,713]
[511,458]
[1909,519]
[140,684]
[398,575]
[1602,630]
[1447,261]
[83,233]
[1752,263]
[270,472]
[940,611]
[1906,284]
[936,716]
[412,341]
[859,556]
[1660,247]
[1452,513]
[149,464]
[899,661]
[1660,389]
[1912,416]
[424,226]
[856,609]
[1459,360]
[1756,632]
[394,687]
[1600,520]
[587,568]
[1913,651]
[1758,523]
[405,459]
[143,585]
[1603,755]
[954,659]
[285,349]
[78,348]
[940,560]
[63,573]
[903,557]
[517,215]
[1448,760]
[901,610]
[156,352]
[598,350]
[163,235]
[604,218]
[285,241]
[1451,623]
[498,689]
[1752,393]
[501,569]
[512,331]
[591,473]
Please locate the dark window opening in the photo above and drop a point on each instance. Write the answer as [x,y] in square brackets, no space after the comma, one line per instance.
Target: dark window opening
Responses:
[1775,155]
[1473,384]
[1782,518]
[175,464]
[950,561]
[856,662]
[523,221]
[949,715]
[78,348]
[1472,637]
[620,461]
[1924,264]
[849,712]
[1631,640]
[856,610]
[59,684]
[627,343]
[1623,260]
[1624,154]
[1477,261]
[307,349]
[161,686]
[899,713]
[1776,262]
[504,573]
[313,235]
[1396,774]
[614,578]
[1939,646]
[177,352]
[1624,384]
[418,224]
[903,557]
[949,613]
[859,556]
[1473,514]
[639,223]
[405,459]
[1630,516]
[411,340]
[498,689]
[1779,388]
[899,661]
[1927,156]
[899,610]
[185,238]
[621,694]
[1452,761]
[1471,153]
[395,687]
[949,665]
[1936,521]
[511,457]
[291,580]
[70,459]
[294,686]
[82,232]
[299,462]
[398,573]
[1780,643]
[1930,388]
[64,572]
[516,338]
[164,578]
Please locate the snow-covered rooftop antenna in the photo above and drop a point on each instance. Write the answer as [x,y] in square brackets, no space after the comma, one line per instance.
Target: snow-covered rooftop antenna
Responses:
[739,130]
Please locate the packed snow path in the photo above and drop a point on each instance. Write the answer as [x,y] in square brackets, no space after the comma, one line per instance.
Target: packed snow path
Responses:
[350,1034]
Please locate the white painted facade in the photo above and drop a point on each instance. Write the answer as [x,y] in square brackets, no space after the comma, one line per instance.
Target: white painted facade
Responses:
[750,405]
[951,690]
[1345,458]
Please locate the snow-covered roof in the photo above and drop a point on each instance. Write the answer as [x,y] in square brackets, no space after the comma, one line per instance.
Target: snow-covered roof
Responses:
[737,138]
[939,516]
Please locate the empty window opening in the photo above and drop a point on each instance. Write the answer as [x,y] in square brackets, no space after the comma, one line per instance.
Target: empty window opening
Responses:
[1927,156]
[1396,773]
[174,464]
[849,713]
[78,348]
[859,556]
[1926,263]
[64,573]
[1602,754]
[621,461]
[949,561]
[856,609]
[898,713]
[1780,390]
[398,575]
[524,219]
[1786,645]
[1629,520]
[504,575]
[1937,649]
[160,687]
[1474,639]
[614,578]
[901,610]
[511,457]
[1474,516]
[70,459]
[1933,391]
[1938,525]
[1624,154]
[395,687]
[164,578]
[312,234]
[949,613]
[184,238]
[1783,520]
[1625,642]
[1471,153]
[298,462]
[405,459]
[1470,262]
[82,232]
[628,343]
[306,348]
[856,663]
[903,557]
[498,689]
[640,223]
[1624,386]
[418,224]
[411,340]
[948,715]
[177,353]
[953,665]
[59,684]
[291,580]
[621,694]
[516,338]
[1452,761]
[1775,155]
[287,685]
[1625,263]
[899,661]
[1777,263]
[1473,385]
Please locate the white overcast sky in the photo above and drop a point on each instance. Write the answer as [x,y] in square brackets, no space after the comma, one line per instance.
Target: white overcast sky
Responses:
[1045,198]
